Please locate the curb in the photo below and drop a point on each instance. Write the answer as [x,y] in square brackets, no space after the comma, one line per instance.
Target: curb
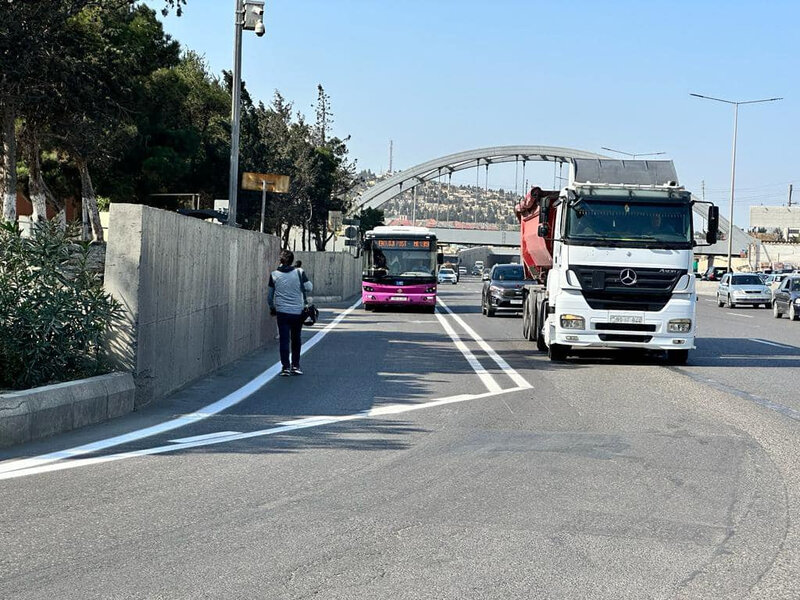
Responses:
[28,415]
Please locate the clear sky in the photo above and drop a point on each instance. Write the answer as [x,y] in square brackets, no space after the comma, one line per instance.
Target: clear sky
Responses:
[442,76]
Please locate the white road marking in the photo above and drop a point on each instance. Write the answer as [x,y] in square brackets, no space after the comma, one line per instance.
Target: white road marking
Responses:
[741,315]
[205,436]
[317,421]
[214,408]
[484,375]
[769,343]
[504,366]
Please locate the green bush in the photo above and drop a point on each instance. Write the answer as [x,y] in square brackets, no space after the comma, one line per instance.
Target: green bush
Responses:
[54,313]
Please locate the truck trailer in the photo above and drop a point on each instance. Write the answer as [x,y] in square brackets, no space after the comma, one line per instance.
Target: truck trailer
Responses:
[610,260]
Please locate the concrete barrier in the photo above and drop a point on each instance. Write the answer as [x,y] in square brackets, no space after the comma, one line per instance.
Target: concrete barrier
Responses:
[40,412]
[195,296]
[336,275]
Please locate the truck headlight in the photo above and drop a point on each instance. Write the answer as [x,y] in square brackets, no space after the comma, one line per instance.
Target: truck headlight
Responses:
[495,289]
[679,326]
[572,322]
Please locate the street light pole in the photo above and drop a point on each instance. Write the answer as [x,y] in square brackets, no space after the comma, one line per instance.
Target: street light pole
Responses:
[236,106]
[248,15]
[733,161]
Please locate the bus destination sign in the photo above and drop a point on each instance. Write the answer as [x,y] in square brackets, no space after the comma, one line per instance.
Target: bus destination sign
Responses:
[403,244]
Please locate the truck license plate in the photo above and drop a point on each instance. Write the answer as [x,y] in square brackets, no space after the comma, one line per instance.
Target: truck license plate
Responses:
[625,319]
[515,302]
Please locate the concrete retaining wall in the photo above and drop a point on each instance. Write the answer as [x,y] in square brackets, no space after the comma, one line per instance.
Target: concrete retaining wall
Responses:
[195,295]
[336,275]
[33,414]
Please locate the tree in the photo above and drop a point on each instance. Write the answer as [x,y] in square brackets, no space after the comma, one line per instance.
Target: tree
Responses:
[370,219]
[35,67]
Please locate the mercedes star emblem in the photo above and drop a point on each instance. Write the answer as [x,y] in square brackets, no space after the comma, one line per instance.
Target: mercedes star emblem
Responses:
[627,276]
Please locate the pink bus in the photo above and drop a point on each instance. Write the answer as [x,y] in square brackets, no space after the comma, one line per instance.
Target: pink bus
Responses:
[399,268]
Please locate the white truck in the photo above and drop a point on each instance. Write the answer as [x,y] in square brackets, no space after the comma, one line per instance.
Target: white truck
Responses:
[610,257]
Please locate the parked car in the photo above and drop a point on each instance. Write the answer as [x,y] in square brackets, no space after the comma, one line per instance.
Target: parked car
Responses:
[787,298]
[447,276]
[743,288]
[714,273]
[502,289]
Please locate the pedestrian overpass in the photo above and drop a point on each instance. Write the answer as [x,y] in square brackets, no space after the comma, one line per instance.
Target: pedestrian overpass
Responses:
[434,170]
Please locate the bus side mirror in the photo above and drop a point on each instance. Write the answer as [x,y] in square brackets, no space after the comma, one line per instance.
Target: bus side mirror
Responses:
[440,258]
[713,225]
[544,230]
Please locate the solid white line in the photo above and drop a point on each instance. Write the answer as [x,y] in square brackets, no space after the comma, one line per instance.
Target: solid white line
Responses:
[307,423]
[770,343]
[506,368]
[484,375]
[205,436]
[214,408]
[741,315]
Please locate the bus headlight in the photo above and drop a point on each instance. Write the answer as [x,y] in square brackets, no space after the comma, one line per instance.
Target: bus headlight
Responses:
[679,326]
[367,288]
[430,290]
[572,322]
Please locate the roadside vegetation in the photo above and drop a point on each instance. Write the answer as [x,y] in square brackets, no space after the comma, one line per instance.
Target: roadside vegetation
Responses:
[54,313]
[96,100]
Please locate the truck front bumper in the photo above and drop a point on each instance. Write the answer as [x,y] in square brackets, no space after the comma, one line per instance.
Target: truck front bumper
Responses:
[648,330]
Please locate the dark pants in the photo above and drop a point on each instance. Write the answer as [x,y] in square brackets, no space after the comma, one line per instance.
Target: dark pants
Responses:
[290,327]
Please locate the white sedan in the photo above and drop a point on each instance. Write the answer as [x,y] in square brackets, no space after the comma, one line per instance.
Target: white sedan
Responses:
[447,276]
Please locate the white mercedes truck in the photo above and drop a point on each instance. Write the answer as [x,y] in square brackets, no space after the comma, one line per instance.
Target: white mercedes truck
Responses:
[610,259]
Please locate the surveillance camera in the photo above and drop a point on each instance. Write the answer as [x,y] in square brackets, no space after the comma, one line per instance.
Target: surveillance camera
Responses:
[260,30]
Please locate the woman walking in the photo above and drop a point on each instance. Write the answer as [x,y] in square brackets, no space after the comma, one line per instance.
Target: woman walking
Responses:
[288,287]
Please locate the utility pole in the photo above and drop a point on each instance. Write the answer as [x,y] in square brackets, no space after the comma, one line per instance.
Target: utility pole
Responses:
[790,194]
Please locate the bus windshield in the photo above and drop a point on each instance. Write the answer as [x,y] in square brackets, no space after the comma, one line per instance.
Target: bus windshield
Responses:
[400,258]
[612,221]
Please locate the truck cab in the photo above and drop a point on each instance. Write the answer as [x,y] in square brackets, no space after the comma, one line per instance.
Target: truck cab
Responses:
[612,256]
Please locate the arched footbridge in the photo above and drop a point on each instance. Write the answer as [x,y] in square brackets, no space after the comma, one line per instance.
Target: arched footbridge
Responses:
[433,170]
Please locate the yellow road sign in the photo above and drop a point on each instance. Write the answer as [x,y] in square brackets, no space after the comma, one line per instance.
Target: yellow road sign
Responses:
[278,184]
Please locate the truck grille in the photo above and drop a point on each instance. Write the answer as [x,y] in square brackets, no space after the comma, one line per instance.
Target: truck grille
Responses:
[603,289]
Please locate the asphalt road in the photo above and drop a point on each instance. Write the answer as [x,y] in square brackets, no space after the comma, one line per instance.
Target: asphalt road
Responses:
[432,456]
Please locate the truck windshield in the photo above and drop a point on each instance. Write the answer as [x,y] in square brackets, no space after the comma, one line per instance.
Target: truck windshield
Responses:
[618,222]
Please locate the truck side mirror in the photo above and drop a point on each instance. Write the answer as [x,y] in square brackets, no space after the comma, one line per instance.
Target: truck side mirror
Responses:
[440,258]
[713,224]
[544,230]
[544,210]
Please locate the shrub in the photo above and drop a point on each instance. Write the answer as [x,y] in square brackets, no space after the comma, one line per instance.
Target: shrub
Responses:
[54,313]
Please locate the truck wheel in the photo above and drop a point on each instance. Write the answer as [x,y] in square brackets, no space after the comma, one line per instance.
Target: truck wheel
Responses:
[557,352]
[677,357]
[528,320]
[538,324]
[489,311]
